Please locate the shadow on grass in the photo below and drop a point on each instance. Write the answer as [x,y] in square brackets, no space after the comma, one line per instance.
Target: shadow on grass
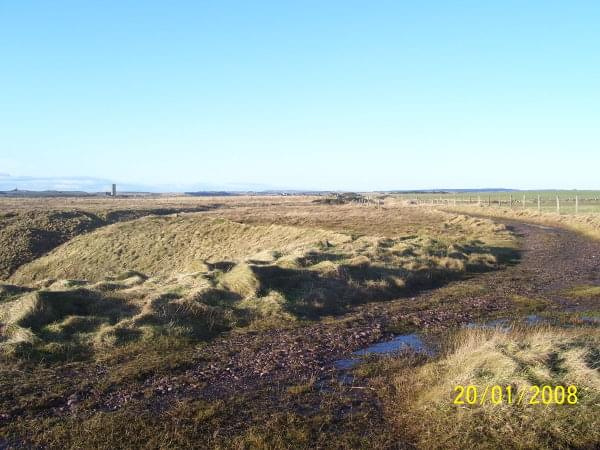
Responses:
[311,294]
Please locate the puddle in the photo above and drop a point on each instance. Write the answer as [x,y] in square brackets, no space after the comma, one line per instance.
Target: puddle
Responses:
[534,319]
[502,324]
[406,341]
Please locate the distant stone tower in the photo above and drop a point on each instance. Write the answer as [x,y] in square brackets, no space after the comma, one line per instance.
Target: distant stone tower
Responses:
[114,190]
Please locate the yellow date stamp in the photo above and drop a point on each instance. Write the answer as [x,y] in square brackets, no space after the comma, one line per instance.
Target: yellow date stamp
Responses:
[509,395]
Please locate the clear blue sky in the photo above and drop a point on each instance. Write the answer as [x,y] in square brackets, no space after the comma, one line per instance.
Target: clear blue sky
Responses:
[324,94]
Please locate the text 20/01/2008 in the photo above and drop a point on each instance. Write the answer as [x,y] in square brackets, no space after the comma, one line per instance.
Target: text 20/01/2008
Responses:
[509,395]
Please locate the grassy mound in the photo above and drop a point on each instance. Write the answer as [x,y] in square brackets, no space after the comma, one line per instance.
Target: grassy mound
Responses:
[164,245]
[28,234]
[422,402]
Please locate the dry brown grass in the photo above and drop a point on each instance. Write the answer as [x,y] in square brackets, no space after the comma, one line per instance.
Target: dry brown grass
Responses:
[179,244]
[108,204]
[31,227]
[26,235]
[389,220]
[420,401]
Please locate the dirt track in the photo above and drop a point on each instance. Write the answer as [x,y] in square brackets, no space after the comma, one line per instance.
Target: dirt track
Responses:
[552,259]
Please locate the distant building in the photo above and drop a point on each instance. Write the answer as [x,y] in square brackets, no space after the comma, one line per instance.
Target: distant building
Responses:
[114,190]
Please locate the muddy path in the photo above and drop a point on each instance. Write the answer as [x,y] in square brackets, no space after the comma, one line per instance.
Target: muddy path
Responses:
[263,364]
[551,260]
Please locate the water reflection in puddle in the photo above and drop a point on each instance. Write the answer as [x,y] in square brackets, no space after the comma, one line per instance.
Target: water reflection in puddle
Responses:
[534,319]
[410,341]
[403,342]
[502,324]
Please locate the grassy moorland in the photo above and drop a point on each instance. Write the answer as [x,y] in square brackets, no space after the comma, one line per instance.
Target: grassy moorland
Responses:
[194,275]
[218,324]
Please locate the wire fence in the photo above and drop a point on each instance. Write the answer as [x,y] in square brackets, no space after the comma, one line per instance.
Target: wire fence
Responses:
[560,204]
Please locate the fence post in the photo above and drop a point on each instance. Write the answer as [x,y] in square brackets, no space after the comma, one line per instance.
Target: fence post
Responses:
[576,204]
[539,205]
[510,201]
[557,205]
[523,201]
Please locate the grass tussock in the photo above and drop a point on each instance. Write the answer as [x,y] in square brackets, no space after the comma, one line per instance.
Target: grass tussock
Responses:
[419,402]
